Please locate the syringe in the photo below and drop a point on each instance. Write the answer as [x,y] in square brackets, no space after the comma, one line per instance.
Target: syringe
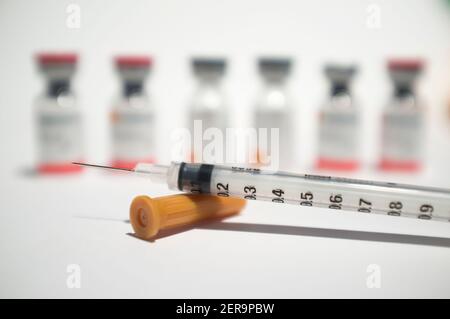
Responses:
[337,193]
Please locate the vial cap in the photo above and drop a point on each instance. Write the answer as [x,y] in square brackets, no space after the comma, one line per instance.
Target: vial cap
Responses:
[133,68]
[340,73]
[49,58]
[57,66]
[275,65]
[209,66]
[404,71]
[405,64]
[150,215]
[133,61]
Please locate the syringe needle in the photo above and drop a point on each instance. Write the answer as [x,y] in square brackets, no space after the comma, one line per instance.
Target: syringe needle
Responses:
[104,167]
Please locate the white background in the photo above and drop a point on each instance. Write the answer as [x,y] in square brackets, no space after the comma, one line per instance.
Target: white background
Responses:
[48,223]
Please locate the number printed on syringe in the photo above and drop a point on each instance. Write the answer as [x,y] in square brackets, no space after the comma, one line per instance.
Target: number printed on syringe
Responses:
[333,193]
[342,194]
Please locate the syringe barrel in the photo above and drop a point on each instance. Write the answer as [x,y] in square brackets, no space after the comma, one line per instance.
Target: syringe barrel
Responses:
[312,190]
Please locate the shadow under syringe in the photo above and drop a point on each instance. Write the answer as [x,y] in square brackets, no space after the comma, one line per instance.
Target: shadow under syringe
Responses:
[330,233]
[220,225]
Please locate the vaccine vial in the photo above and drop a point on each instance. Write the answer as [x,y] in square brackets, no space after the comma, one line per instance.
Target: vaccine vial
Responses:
[403,119]
[273,112]
[58,120]
[339,123]
[208,108]
[132,115]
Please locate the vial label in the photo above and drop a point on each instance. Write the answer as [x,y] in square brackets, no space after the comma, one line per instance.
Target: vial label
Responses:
[209,119]
[59,136]
[266,153]
[338,136]
[132,136]
[402,137]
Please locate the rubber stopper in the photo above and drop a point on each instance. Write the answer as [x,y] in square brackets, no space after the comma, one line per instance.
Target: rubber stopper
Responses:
[150,215]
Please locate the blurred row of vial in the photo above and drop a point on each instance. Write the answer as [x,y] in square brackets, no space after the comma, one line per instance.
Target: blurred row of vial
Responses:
[60,133]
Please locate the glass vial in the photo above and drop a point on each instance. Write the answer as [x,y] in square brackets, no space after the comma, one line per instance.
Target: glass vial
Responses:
[339,123]
[403,120]
[273,111]
[132,116]
[59,127]
[208,107]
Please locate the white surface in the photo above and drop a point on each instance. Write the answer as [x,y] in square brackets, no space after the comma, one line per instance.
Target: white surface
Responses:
[83,224]
[48,223]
